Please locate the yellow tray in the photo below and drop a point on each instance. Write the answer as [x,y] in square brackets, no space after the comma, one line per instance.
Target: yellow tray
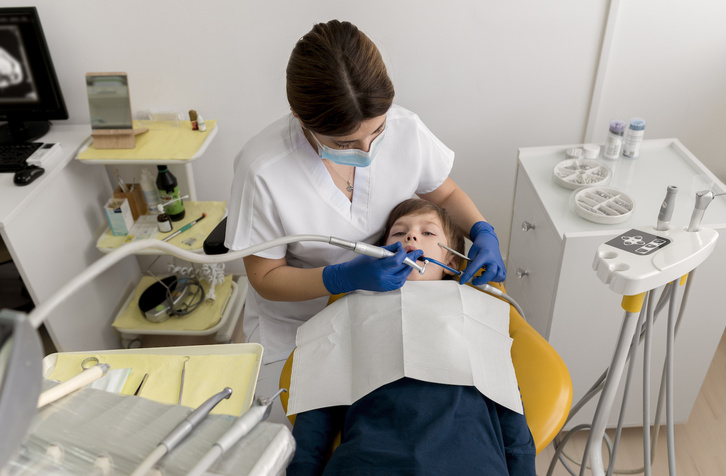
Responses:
[215,211]
[172,325]
[209,369]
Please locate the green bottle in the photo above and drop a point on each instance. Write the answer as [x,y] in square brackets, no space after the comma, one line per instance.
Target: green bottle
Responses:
[169,190]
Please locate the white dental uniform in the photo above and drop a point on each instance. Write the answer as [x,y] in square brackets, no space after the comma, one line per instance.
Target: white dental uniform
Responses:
[281,187]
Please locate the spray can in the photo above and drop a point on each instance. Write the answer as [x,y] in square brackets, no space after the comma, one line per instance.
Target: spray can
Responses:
[631,146]
[151,194]
[168,189]
[614,142]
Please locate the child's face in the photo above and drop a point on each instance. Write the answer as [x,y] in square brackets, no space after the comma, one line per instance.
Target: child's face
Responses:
[422,232]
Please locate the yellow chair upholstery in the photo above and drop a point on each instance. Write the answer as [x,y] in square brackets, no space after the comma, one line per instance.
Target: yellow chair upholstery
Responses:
[543,378]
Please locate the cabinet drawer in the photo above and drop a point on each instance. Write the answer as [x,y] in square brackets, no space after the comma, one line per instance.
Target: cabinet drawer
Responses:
[535,251]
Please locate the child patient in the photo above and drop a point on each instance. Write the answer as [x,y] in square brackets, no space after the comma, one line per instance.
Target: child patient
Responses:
[410,426]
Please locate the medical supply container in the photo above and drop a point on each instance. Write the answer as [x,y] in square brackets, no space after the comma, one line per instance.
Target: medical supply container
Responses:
[162,219]
[614,142]
[151,194]
[631,146]
[168,188]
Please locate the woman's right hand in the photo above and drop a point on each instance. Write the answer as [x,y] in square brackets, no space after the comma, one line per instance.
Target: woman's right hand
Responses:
[370,274]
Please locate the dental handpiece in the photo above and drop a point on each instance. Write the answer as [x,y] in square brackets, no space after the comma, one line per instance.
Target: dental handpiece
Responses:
[372,250]
[259,411]
[666,209]
[703,199]
[180,432]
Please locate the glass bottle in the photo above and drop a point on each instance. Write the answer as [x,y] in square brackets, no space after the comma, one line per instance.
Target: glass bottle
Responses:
[169,190]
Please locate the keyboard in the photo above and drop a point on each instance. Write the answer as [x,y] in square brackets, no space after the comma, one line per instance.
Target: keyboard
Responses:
[13,156]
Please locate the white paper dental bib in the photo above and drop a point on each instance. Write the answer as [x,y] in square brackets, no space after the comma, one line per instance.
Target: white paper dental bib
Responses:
[435,331]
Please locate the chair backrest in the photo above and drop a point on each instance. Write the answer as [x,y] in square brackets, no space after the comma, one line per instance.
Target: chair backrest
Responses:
[543,378]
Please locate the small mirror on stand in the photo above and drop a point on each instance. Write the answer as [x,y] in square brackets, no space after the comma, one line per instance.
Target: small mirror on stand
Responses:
[109,103]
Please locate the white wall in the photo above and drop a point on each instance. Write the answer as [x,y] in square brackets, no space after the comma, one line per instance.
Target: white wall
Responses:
[486,76]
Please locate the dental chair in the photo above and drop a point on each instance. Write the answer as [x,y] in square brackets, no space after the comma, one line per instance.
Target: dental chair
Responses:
[543,378]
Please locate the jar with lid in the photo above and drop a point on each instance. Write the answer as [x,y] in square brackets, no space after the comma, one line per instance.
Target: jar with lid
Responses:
[631,146]
[614,142]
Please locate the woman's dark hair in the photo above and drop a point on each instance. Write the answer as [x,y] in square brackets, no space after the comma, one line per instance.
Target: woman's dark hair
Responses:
[336,79]
[418,206]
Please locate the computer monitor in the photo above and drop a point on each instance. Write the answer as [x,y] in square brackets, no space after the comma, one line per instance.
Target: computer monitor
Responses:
[30,95]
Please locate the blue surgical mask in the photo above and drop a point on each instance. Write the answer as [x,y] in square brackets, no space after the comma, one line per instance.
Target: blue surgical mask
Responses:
[354,157]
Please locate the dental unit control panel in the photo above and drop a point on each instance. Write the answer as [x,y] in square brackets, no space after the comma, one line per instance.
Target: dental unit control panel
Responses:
[645,258]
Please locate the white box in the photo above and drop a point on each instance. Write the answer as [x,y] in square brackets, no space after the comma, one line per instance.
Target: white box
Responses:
[118,213]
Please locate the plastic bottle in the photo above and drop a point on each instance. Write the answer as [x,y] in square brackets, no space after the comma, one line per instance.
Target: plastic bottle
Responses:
[168,189]
[631,146]
[614,143]
[162,219]
[151,194]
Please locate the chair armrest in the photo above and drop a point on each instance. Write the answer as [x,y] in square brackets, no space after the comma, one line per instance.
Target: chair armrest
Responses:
[214,243]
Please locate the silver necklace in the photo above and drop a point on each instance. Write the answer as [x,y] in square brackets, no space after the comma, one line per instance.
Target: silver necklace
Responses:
[350,185]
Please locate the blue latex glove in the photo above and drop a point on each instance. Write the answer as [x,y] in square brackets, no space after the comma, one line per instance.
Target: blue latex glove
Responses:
[371,274]
[484,252]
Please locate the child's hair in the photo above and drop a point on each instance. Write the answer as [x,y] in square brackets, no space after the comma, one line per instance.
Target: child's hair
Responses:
[418,206]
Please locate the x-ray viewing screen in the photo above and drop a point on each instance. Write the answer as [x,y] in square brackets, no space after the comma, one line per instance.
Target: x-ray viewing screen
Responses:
[16,77]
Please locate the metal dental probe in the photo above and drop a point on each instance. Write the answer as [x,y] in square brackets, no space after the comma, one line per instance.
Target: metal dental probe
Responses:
[181,385]
[451,250]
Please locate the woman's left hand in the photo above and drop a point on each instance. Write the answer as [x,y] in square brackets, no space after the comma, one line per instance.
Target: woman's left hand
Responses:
[484,252]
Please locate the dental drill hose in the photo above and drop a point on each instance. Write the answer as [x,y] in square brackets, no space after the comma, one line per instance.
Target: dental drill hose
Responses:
[181,431]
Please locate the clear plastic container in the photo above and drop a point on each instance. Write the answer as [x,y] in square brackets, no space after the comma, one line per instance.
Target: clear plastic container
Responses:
[636,130]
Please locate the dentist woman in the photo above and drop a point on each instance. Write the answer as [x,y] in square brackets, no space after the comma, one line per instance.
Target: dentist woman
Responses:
[336,166]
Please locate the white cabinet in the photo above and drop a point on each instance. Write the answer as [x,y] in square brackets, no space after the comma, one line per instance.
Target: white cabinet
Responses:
[551,251]
[51,227]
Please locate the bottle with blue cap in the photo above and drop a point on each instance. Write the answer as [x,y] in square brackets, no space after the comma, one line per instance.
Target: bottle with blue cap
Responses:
[631,146]
[614,143]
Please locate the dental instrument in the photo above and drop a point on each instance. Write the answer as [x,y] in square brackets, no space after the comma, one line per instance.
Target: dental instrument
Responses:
[371,250]
[666,209]
[71,385]
[181,431]
[141,385]
[185,227]
[452,250]
[258,412]
[181,385]
[487,288]
[703,199]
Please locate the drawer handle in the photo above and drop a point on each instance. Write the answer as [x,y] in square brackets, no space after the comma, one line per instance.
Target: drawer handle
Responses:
[522,273]
[526,226]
